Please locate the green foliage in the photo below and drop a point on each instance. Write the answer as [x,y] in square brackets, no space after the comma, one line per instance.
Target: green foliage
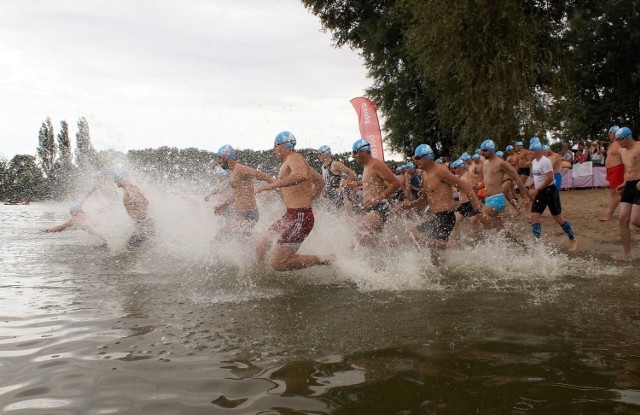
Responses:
[23,177]
[84,149]
[454,73]
[47,147]
[603,41]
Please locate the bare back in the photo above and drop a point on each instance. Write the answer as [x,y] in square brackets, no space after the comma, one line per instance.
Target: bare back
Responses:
[376,178]
[135,202]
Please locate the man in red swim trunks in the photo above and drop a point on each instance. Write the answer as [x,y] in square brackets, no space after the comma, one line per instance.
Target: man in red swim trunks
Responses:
[300,185]
[615,173]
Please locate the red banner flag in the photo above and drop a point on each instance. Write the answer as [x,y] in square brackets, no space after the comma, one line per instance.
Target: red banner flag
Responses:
[369,125]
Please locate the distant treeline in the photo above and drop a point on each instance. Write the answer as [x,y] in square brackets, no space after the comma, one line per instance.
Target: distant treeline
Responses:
[56,171]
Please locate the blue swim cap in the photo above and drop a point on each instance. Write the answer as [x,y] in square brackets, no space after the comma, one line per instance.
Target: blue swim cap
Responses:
[227,151]
[439,161]
[326,150]
[120,174]
[546,147]
[500,154]
[465,156]
[509,148]
[535,146]
[624,132]
[534,139]
[410,165]
[344,175]
[75,208]
[475,157]
[361,145]
[477,151]
[423,150]
[285,138]
[614,129]
[458,164]
[518,144]
[359,177]
[488,145]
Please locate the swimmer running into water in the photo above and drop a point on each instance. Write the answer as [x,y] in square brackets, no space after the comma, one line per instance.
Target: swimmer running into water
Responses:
[242,196]
[299,185]
[78,219]
[136,205]
[378,184]
[494,171]
[437,192]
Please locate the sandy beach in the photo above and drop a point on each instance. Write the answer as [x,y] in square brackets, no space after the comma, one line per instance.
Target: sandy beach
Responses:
[583,209]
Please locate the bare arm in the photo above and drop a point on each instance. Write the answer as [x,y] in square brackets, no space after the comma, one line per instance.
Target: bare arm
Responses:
[317,182]
[62,227]
[451,179]
[341,168]
[299,173]
[511,172]
[390,181]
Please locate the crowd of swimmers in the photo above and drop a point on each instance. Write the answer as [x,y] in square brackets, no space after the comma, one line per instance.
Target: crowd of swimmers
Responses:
[436,194]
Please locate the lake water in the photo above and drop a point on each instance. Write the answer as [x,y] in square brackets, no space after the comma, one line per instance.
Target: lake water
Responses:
[184,327]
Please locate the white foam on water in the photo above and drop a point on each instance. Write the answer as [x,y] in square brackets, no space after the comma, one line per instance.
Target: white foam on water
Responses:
[185,247]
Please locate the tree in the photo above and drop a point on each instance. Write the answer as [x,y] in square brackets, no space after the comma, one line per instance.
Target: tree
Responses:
[64,145]
[47,147]
[603,41]
[4,171]
[378,28]
[24,177]
[84,150]
[494,64]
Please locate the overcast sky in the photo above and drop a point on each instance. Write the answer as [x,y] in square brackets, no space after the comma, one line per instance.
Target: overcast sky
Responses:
[187,73]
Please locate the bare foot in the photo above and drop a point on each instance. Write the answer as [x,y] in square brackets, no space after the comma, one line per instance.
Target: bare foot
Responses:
[327,259]
[573,245]
[606,219]
[622,257]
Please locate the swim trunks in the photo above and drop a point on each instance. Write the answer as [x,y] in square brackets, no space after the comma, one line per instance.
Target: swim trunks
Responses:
[142,232]
[547,197]
[439,226]
[558,179]
[294,226]
[465,209]
[383,209]
[251,216]
[631,194]
[615,176]
[497,201]
[524,171]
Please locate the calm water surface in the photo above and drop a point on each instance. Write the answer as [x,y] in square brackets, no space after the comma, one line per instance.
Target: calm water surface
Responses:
[86,328]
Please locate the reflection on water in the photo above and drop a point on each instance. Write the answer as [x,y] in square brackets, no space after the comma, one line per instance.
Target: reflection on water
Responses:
[88,328]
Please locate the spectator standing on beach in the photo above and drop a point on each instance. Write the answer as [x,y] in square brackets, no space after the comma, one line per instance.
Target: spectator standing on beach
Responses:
[629,189]
[615,173]
[597,153]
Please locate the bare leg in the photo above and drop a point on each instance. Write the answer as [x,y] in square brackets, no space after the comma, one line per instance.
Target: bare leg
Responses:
[614,201]
[625,231]
[286,259]
[370,228]
[261,252]
[507,191]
